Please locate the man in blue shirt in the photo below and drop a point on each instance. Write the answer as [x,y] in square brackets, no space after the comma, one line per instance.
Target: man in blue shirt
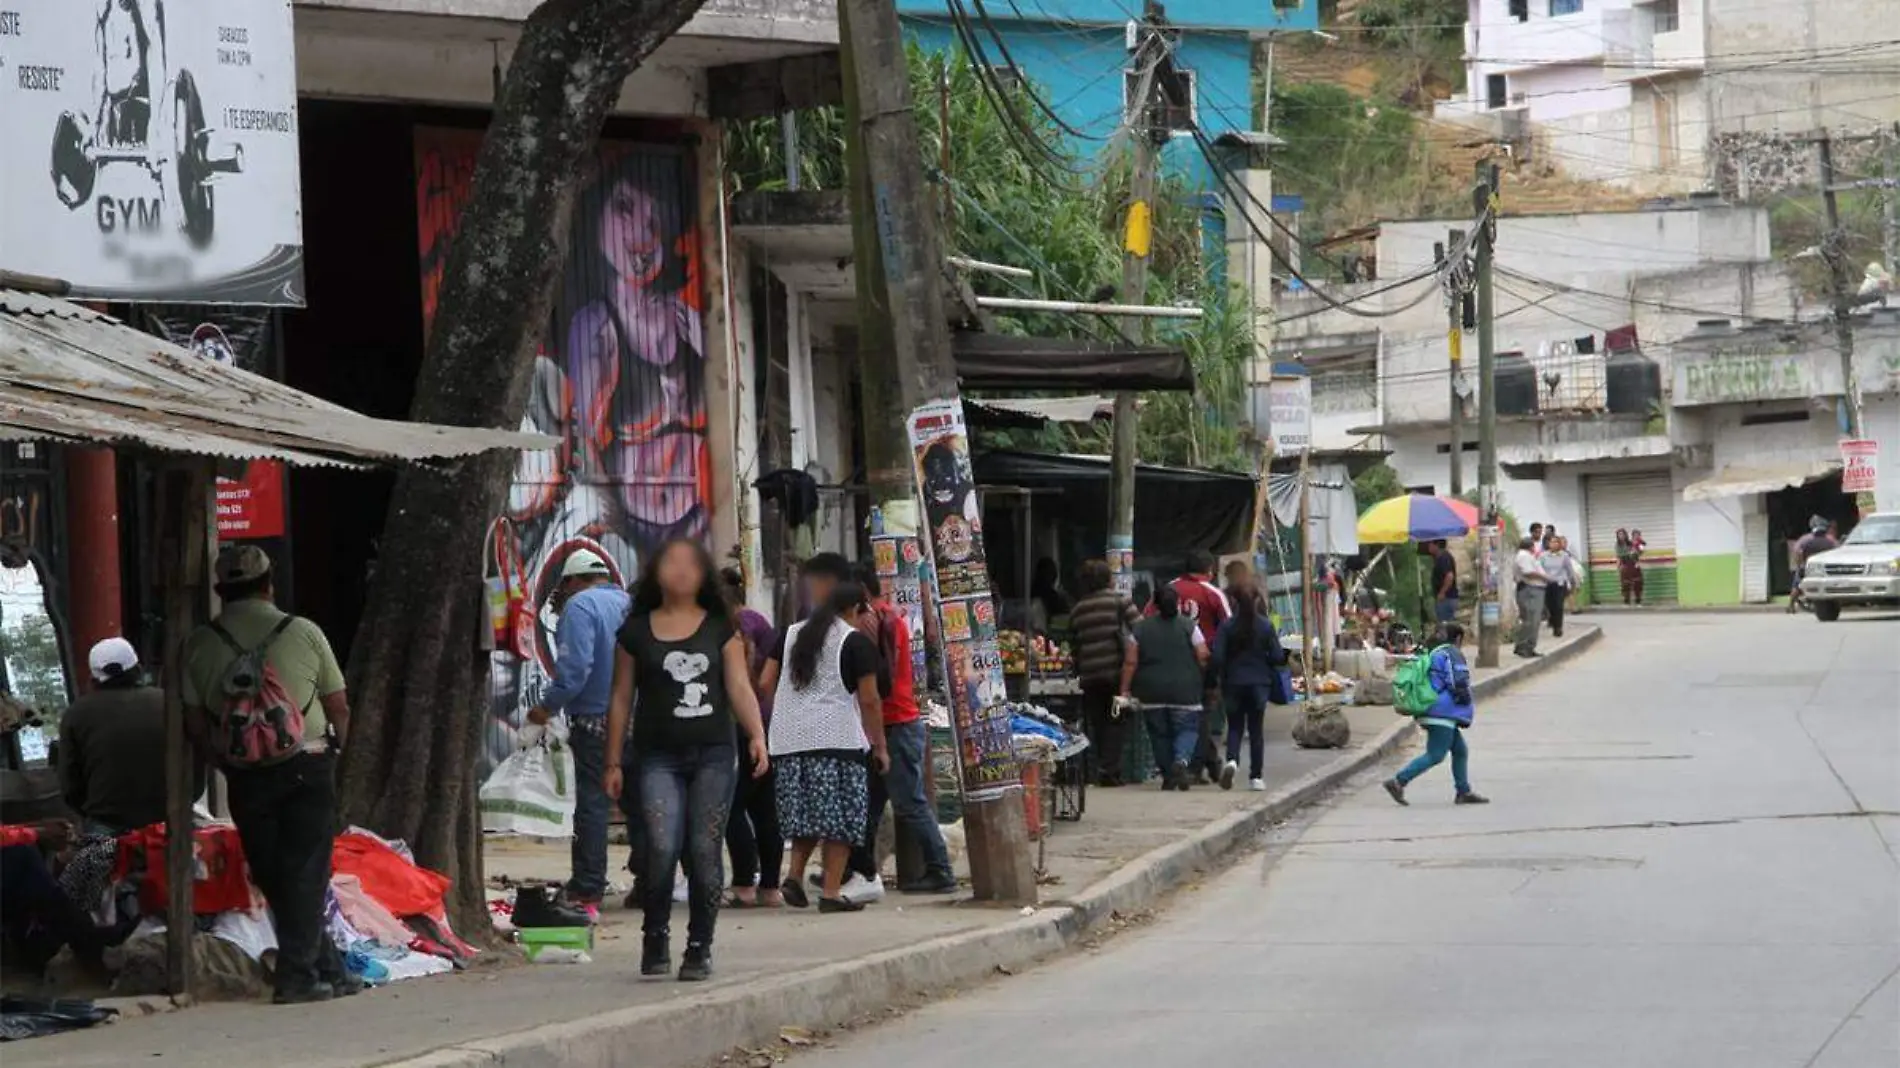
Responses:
[592,610]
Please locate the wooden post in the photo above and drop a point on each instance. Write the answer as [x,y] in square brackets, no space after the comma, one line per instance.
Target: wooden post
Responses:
[184,533]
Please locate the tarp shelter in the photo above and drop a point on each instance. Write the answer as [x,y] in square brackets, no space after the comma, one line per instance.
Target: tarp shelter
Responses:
[71,375]
[1001,362]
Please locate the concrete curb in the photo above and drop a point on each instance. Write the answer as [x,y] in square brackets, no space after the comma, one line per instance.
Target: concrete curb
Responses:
[698,1029]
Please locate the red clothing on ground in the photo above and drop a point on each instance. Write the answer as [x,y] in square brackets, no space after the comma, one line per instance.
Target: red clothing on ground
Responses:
[1202,602]
[19,834]
[894,642]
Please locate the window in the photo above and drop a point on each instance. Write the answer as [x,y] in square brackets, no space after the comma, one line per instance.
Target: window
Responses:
[1521,10]
[1565,7]
[1007,77]
[1176,90]
[1350,388]
[1495,91]
[1666,16]
[1771,418]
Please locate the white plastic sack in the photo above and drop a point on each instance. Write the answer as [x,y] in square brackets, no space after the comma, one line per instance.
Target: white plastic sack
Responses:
[532,792]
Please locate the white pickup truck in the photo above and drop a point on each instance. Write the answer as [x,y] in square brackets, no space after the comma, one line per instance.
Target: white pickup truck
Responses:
[1863,573]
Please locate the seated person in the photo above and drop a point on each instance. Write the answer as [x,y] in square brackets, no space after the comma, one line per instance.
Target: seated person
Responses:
[112,745]
[36,916]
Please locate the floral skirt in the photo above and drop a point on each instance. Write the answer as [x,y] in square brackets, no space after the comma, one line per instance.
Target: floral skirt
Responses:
[821,796]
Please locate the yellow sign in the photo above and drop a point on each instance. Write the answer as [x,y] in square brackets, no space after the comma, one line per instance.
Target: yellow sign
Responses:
[1457,338]
[1140,230]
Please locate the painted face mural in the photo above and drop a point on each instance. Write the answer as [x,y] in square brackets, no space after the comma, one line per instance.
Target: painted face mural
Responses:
[620,382]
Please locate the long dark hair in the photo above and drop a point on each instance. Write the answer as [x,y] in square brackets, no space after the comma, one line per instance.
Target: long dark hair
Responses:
[1246,620]
[647,595]
[1167,602]
[802,661]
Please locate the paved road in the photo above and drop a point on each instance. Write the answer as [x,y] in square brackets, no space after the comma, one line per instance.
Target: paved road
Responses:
[1691,861]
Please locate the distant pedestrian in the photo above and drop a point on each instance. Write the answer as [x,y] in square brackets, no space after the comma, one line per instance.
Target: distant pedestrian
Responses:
[1206,606]
[1563,575]
[1164,670]
[1102,624]
[1531,584]
[1629,565]
[753,841]
[1445,722]
[682,662]
[1248,658]
[1444,582]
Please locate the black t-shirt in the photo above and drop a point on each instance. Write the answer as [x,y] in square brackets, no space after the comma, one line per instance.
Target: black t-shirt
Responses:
[679,687]
[1443,565]
[859,657]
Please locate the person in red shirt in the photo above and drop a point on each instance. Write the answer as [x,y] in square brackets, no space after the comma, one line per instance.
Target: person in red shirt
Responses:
[1203,602]
[908,739]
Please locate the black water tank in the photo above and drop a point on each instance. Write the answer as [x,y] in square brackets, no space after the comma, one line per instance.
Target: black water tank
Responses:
[1516,379]
[1633,382]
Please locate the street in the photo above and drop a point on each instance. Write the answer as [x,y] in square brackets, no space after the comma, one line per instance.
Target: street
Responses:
[1691,860]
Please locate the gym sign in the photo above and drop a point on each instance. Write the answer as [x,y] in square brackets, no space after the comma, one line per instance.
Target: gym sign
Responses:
[148,149]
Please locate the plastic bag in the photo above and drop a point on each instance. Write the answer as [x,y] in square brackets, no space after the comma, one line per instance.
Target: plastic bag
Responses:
[532,792]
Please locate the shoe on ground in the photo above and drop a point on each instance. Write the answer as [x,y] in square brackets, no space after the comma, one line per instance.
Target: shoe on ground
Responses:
[1178,775]
[1227,773]
[696,963]
[656,957]
[1471,797]
[304,993]
[794,894]
[936,882]
[535,908]
[856,887]
[1257,785]
[1397,790]
[346,984]
[839,904]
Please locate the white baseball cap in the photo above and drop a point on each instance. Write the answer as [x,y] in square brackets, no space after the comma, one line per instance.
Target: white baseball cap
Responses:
[584,563]
[112,658]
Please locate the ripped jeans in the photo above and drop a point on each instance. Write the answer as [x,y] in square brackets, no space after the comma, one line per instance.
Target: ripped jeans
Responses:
[685,796]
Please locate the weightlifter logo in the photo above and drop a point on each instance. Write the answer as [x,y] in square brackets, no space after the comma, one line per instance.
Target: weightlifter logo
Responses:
[171,167]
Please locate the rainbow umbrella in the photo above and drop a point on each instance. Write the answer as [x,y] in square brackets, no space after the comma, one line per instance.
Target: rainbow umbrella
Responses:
[1416,517]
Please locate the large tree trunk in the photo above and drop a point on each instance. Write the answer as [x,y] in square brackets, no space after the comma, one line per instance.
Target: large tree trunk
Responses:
[416,677]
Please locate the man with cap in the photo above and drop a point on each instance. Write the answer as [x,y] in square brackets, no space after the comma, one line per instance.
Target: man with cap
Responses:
[592,607]
[112,745]
[285,812]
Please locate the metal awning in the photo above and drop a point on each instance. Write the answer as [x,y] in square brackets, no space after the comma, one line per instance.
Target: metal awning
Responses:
[1035,411]
[71,374]
[1740,480]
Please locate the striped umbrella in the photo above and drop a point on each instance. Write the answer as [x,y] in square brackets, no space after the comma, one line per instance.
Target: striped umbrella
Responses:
[1416,517]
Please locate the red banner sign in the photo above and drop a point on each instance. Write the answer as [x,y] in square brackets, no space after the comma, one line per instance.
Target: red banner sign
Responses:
[252,506]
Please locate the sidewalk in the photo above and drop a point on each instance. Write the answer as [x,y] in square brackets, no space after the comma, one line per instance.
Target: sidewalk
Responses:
[775,969]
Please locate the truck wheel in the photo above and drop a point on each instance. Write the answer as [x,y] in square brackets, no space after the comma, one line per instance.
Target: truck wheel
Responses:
[1827,611]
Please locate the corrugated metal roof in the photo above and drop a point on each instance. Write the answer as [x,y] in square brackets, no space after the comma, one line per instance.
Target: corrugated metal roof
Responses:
[68,373]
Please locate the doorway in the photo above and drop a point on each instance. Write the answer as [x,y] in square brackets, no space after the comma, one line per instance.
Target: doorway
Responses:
[1788,513]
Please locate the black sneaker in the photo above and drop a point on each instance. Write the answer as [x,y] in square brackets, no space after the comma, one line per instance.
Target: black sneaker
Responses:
[696,963]
[304,993]
[936,882]
[535,908]
[794,894]
[1178,775]
[1471,797]
[1397,790]
[839,904]
[656,956]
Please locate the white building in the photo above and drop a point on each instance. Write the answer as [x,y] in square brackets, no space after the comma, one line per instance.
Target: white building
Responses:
[1575,446]
[1671,96]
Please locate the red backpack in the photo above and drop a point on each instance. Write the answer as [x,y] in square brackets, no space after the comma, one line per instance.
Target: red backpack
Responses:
[255,724]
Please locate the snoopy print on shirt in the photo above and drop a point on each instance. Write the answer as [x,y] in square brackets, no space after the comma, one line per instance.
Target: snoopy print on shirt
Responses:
[689,670]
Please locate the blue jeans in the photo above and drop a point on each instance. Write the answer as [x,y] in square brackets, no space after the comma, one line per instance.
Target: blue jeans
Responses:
[1247,713]
[1445,610]
[1173,732]
[1438,742]
[685,800]
[903,786]
[587,737]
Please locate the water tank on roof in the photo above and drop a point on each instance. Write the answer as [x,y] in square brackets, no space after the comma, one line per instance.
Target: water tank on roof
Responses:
[1516,380]
[1632,381]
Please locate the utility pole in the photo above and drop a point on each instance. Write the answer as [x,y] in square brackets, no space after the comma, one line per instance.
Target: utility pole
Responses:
[1484,201]
[1143,120]
[1834,250]
[1890,196]
[1455,344]
[908,379]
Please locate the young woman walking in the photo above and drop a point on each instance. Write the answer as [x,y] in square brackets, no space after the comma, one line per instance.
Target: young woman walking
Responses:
[1444,722]
[827,718]
[681,654]
[1248,657]
[1163,670]
[753,839]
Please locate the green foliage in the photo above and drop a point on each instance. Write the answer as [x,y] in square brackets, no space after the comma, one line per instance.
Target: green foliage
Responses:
[1065,226]
[36,671]
[1796,223]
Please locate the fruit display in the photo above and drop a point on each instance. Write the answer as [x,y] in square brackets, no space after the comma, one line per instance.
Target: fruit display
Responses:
[1049,657]
[1331,682]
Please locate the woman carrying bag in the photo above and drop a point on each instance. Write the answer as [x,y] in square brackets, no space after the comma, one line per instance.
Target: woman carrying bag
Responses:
[1249,661]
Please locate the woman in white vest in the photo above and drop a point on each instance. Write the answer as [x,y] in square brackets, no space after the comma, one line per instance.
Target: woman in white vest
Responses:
[825,724]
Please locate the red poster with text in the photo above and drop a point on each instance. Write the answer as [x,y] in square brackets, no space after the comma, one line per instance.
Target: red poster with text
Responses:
[252,506]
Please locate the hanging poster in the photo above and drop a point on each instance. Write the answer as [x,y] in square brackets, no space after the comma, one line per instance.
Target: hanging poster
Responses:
[1290,414]
[1860,460]
[899,571]
[952,546]
[250,506]
[1121,562]
[152,149]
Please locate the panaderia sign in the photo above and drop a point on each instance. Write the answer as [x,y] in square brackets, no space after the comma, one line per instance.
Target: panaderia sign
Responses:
[151,149]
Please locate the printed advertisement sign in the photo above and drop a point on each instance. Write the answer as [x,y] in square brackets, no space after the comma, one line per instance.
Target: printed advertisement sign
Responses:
[152,149]
[899,570]
[251,506]
[1121,562]
[1860,461]
[1290,414]
[966,615]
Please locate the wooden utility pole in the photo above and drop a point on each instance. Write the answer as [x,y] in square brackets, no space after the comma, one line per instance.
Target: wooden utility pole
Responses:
[1455,344]
[905,356]
[1840,276]
[1143,124]
[1484,200]
[1890,199]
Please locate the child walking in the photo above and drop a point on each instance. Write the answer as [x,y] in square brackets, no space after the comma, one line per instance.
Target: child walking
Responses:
[1444,722]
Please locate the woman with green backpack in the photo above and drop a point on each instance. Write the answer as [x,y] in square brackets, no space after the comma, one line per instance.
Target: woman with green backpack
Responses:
[1442,704]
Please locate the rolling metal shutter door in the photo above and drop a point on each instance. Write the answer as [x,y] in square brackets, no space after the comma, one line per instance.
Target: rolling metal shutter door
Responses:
[1755,559]
[1647,502]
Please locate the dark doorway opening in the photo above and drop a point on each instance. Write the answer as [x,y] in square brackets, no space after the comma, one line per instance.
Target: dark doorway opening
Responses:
[1789,511]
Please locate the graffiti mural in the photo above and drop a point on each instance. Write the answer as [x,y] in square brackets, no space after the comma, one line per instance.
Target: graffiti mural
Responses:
[619,380]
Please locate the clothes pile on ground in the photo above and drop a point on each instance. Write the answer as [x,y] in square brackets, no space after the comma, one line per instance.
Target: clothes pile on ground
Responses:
[24,1017]
[385,914]
[1040,735]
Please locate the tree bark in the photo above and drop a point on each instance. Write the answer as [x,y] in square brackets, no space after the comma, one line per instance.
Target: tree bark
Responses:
[416,675]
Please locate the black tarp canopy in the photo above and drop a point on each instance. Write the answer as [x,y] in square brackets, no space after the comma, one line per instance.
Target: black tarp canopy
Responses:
[1176,509]
[1001,362]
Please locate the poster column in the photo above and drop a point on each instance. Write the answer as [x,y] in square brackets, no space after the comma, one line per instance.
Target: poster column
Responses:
[957,582]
